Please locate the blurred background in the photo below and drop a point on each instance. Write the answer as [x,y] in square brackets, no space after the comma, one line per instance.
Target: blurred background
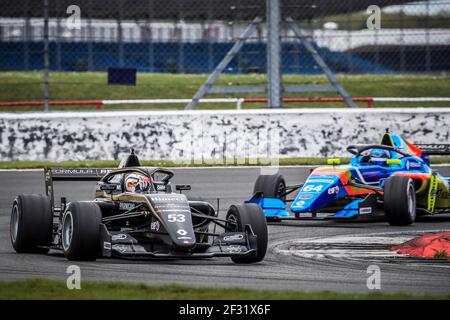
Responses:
[174,44]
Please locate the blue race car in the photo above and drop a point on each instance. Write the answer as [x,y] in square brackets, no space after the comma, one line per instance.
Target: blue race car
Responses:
[393,178]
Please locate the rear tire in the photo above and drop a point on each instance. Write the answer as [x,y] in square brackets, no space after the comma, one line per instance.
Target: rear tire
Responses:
[31,223]
[400,200]
[252,214]
[80,233]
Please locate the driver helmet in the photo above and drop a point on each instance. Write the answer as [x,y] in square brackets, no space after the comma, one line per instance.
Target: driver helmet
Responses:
[379,156]
[136,182]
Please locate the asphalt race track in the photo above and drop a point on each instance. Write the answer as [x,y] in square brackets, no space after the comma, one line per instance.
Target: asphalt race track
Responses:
[308,256]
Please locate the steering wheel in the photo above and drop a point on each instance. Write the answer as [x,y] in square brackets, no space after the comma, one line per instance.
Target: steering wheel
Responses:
[358,149]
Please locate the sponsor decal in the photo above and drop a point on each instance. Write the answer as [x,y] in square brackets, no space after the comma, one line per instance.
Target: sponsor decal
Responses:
[412,164]
[434,147]
[365,210]
[233,249]
[107,245]
[234,237]
[320,180]
[182,232]
[184,238]
[120,236]
[80,171]
[168,198]
[120,247]
[154,226]
[306,196]
[415,165]
[333,190]
[300,203]
[161,187]
[126,206]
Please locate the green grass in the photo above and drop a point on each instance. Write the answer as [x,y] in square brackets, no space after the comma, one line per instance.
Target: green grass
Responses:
[26,86]
[163,163]
[36,289]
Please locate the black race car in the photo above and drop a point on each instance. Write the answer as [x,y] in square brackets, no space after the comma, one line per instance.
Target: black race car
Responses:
[159,223]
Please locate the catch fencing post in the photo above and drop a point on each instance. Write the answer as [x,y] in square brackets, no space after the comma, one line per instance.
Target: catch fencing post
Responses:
[273,53]
[46,58]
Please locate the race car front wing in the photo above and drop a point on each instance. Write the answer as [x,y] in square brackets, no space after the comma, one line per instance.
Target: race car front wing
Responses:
[276,209]
[228,244]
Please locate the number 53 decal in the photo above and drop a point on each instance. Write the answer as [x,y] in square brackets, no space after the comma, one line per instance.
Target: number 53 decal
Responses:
[176,217]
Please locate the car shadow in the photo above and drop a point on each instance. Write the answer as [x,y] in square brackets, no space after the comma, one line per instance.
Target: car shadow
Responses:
[433,218]
[104,261]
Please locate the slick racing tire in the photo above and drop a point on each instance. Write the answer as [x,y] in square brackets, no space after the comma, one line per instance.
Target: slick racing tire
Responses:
[31,223]
[252,214]
[272,186]
[80,231]
[400,201]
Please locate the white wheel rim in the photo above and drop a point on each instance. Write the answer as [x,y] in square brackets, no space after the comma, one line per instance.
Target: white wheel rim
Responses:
[14,222]
[411,201]
[67,231]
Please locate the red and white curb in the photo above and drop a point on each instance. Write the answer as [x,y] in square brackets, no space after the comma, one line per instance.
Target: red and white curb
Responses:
[375,246]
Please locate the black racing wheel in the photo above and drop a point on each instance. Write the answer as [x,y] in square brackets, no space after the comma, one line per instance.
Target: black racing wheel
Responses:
[251,214]
[400,200]
[31,223]
[81,231]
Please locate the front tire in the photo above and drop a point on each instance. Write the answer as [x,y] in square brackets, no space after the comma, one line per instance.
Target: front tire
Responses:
[400,200]
[272,186]
[80,233]
[31,223]
[252,214]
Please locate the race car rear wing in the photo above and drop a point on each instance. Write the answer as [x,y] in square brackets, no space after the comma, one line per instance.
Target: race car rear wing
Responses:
[76,174]
[438,149]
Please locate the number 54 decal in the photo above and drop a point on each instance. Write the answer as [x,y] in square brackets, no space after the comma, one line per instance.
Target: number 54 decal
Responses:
[176,217]
[312,188]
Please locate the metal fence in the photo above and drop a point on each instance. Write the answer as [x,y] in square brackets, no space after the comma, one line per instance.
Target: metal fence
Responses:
[193,36]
